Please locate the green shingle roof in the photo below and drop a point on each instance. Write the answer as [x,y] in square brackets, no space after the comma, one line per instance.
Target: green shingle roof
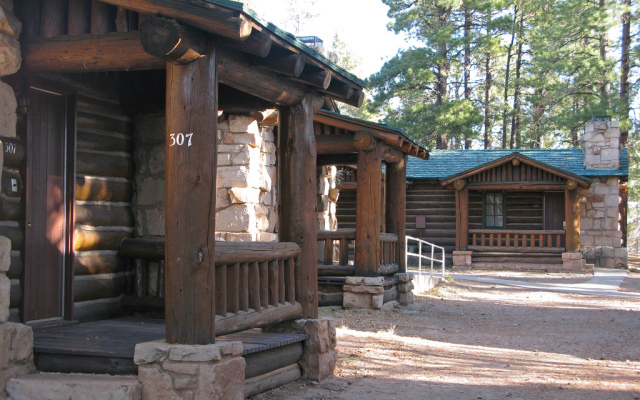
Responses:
[445,163]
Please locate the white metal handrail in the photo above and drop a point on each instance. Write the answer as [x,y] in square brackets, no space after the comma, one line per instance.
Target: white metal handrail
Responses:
[421,256]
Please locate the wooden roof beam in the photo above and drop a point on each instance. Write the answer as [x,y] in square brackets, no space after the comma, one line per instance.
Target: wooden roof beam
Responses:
[281,61]
[89,53]
[258,44]
[196,13]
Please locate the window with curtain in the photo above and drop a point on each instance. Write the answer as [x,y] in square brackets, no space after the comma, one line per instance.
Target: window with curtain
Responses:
[494,210]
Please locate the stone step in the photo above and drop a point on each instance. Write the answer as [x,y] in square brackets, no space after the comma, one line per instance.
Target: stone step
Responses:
[54,386]
[518,266]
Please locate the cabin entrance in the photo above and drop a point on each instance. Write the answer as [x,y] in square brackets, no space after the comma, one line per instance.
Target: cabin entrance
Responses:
[49,229]
[554,210]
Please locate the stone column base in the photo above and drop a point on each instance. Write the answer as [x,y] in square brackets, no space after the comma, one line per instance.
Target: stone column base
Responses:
[362,292]
[405,288]
[178,371]
[319,358]
[16,352]
[462,260]
[573,261]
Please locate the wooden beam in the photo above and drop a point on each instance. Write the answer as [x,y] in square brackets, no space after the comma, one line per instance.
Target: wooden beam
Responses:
[368,211]
[54,18]
[168,39]
[462,218]
[391,155]
[79,21]
[572,219]
[190,198]
[335,144]
[103,18]
[237,72]
[320,78]
[200,14]
[348,160]
[517,186]
[397,207]
[259,44]
[281,61]
[88,53]
[297,159]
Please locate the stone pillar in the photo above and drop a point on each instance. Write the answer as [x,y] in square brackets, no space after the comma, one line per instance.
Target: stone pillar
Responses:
[363,292]
[177,371]
[462,260]
[16,340]
[320,355]
[10,61]
[405,288]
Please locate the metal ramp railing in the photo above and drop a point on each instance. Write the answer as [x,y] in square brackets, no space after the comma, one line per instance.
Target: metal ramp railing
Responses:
[421,255]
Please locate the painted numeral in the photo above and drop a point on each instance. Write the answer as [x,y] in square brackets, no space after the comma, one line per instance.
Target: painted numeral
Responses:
[178,139]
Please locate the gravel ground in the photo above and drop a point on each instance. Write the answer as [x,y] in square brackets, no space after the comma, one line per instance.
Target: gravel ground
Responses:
[470,340]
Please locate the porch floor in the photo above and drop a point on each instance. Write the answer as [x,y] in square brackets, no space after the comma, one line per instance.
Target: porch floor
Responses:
[108,346]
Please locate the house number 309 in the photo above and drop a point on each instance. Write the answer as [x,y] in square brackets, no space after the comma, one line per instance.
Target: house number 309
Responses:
[178,139]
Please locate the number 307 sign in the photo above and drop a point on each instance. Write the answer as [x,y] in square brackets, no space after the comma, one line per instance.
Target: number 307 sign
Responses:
[179,139]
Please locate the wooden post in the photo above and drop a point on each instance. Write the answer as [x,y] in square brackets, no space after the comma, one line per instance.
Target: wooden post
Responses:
[462,219]
[397,207]
[190,198]
[298,188]
[572,219]
[368,210]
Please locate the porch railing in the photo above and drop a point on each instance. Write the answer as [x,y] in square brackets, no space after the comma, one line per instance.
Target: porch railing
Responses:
[337,256]
[516,240]
[254,281]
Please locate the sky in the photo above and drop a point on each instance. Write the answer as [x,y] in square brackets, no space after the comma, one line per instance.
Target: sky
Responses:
[361,24]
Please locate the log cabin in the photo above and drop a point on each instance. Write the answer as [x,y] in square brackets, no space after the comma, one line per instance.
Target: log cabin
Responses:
[94,82]
[539,209]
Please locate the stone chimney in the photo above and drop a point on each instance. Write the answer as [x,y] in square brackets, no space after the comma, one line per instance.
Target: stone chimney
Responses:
[601,144]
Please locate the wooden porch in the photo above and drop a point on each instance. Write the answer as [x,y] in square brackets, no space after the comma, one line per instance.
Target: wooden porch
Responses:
[107,346]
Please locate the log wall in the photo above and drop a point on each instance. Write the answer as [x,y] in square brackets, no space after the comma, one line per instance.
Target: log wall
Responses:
[104,172]
[438,206]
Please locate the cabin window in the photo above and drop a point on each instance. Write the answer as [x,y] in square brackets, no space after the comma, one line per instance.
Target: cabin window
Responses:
[494,210]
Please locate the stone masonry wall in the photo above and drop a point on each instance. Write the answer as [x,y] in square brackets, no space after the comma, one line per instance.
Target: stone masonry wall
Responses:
[601,145]
[246,179]
[600,235]
[326,198]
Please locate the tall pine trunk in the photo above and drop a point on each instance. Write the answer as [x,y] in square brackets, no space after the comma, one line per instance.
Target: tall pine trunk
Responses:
[505,113]
[624,73]
[516,139]
[605,85]
[467,61]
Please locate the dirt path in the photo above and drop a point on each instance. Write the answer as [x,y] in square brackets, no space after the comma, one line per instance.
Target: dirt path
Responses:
[473,340]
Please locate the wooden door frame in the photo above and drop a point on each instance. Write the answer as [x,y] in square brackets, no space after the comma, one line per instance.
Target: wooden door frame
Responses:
[70,190]
[544,208]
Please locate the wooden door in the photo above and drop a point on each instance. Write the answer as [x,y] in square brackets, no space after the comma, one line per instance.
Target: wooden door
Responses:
[48,214]
[553,210]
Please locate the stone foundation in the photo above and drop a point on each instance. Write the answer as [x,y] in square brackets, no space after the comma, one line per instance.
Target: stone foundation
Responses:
[405,288]
[178,371]
[462,260]
[573,262]
[16,340]
[320,355]
[362,292]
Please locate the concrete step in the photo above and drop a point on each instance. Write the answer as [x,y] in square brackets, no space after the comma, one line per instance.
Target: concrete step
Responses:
[54,386]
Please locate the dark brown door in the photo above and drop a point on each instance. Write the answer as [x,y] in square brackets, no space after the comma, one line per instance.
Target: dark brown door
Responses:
[553,211]
[47,213]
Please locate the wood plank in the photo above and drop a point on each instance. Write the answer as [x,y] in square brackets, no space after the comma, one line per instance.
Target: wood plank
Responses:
[233,288]
[103,18]
[221,290]
[290,280]
[92,188]
[264,284]
[190,178]
[273,284]
[265,361]
[272,380]
[254,288]
[297,156]
[252,319]
[281,282]
[244,286]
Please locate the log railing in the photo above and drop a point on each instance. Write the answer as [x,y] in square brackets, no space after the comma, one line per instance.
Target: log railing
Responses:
[254,283]
[338,252]
[516,240]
